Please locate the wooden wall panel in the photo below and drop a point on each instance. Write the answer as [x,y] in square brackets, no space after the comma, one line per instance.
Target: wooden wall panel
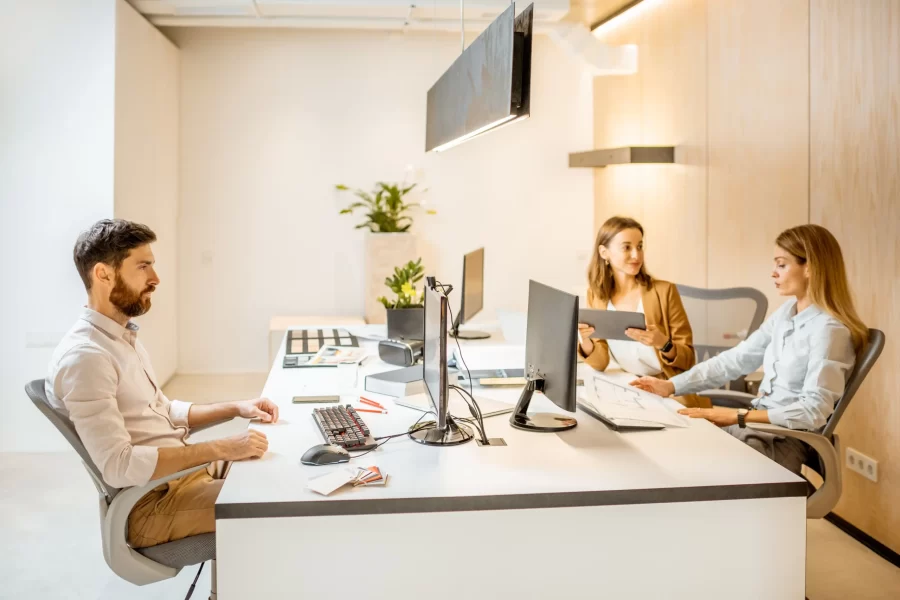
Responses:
[855,192]
[663,104]
[758,136]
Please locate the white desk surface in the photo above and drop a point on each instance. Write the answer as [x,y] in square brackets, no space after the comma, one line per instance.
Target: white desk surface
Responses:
[589,465]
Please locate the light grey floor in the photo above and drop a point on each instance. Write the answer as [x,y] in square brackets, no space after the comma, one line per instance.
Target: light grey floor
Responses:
[50,541]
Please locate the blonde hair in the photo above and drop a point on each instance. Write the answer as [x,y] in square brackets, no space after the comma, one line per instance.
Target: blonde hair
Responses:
[828,288]
[601,282]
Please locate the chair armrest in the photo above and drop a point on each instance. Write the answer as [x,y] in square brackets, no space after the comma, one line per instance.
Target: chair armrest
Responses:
[127,498]
[729,398]
[826,497]
[124,561]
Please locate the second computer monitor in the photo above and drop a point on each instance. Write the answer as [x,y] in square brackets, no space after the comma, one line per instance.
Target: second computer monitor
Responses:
[551,344]
[472,296]
[444,430]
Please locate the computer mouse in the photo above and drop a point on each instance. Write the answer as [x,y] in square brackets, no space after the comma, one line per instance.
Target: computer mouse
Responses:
[325,454]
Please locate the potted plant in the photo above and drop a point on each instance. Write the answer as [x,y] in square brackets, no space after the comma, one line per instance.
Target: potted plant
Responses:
[389,242]
[387,210]
[406,314]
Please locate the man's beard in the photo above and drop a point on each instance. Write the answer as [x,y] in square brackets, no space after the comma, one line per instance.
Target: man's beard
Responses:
[129,302]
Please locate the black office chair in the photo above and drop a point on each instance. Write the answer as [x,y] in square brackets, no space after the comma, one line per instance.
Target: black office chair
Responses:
[142,565]
[826,461]
[721,319]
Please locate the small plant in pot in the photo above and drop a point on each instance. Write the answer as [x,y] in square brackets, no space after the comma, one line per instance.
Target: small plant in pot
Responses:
[406,314]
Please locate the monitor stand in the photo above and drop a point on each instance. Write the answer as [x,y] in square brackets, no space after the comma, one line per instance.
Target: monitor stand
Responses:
[467,334]
[520,418]
[455,433]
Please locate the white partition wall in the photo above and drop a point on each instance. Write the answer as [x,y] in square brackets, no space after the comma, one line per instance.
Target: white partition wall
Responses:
[147,165]
[57,69]
[88,130]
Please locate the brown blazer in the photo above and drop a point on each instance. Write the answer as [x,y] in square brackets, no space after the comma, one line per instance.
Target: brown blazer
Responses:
[662,308]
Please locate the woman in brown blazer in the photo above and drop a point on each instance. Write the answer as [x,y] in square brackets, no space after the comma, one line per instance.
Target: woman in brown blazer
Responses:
[618,280]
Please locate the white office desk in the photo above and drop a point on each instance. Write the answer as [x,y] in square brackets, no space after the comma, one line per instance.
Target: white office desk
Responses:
[680,513]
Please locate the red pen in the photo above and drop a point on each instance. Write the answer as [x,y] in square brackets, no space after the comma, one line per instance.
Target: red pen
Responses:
[377,412]
[370,403]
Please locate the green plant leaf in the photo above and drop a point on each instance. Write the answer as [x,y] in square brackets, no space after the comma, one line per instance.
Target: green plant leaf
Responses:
[364,195]
[341,187]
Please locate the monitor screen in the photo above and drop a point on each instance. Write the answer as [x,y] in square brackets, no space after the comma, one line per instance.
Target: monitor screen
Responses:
[473,284]
[434,353]
[551,340]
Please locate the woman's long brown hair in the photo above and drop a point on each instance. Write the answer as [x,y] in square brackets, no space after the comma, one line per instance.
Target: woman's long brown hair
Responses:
[828,286]
[600,275]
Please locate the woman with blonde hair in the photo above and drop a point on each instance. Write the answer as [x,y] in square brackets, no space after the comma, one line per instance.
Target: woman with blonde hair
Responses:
[807,349]
[618,280]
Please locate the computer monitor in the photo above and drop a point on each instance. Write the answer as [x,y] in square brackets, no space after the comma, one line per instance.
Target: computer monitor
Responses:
[550,358]
[472,296]
[444,430]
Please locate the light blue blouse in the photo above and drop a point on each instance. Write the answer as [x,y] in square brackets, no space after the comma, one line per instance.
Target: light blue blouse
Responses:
[806,360]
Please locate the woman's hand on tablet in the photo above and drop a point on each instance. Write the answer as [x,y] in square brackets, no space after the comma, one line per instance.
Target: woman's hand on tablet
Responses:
[652,337]
[585,331]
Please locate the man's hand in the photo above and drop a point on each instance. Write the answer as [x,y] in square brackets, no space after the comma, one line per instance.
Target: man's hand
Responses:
[660,387]
[250,444]
[652,336]
[260,408]
[720,415]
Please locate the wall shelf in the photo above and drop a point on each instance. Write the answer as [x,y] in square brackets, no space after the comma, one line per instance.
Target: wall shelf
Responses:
[622,156]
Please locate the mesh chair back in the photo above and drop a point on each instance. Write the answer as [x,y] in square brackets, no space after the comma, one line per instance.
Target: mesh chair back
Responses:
[38,395]
[865,360]
[721,319]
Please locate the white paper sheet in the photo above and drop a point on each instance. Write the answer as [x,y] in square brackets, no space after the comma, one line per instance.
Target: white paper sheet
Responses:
[331,481]
[617,401]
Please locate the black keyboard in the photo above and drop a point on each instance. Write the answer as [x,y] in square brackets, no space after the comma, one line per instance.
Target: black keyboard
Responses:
[342,426]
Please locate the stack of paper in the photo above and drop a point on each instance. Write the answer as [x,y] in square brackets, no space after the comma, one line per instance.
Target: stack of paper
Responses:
[616,401]
[369,476]
[356,476]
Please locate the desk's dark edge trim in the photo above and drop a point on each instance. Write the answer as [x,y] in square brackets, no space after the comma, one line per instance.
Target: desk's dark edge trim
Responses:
[264,510]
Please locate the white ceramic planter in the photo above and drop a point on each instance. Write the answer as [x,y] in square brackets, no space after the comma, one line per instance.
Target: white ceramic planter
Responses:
[384,251]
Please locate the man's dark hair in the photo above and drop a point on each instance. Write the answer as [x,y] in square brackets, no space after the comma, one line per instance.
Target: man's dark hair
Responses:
[108,241]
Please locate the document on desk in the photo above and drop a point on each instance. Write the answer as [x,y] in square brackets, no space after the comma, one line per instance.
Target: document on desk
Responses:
[617,401]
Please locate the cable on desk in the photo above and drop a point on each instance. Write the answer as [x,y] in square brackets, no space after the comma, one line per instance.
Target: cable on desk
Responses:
[475,410]
[456,339]
[388,438]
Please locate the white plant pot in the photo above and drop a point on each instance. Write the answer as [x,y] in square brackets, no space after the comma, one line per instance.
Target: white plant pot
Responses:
[384,251]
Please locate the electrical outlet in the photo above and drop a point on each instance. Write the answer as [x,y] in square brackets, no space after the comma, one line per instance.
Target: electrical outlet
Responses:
[862,464]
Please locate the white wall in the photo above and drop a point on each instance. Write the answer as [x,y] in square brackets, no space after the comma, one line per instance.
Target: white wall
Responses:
[271,120]
[146,165]
[56,178]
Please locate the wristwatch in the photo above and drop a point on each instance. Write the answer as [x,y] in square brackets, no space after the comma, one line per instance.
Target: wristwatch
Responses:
[742,417]
[668,347]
